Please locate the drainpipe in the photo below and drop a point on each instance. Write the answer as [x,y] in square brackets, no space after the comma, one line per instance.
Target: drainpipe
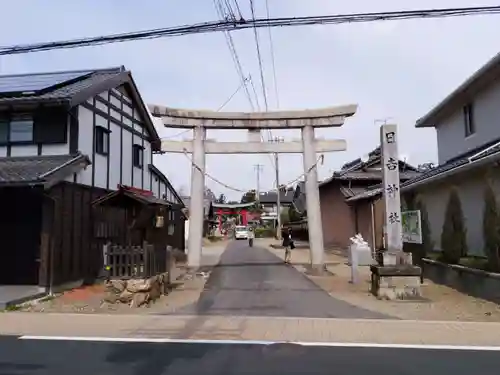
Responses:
[372,209]
[51,247]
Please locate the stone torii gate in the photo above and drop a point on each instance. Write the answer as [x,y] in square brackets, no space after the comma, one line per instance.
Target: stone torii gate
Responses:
[305,120]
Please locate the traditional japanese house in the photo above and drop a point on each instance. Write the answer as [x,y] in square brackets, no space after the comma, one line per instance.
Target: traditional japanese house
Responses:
[342,218]
[67,139]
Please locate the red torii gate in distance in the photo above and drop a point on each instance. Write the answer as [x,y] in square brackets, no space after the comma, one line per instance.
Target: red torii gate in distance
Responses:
[241,209]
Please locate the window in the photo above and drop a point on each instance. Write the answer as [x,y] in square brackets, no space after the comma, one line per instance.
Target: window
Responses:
[21,129]
[100,105]
[127,109]
[469,120]
[137,155]
[101,140]
[115,114]
[116,102]
[126,121]
[4,131]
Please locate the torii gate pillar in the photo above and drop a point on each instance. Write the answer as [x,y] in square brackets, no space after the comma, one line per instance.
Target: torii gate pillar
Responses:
[197,202]
[314,223]
[309,146]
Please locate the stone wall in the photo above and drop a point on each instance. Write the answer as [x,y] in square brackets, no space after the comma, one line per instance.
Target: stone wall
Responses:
[476,283]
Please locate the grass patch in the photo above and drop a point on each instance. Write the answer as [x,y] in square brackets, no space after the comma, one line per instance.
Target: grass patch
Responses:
[12,308]
[214,238]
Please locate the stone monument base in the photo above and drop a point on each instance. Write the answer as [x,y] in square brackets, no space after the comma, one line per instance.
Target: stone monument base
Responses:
[396,282]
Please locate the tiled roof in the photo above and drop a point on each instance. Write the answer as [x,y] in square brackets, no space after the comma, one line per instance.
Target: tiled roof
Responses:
[373,156]
[166,181]
[370,175]
[469,157]
[360,175]
[115,198]
[26,170]
[352,191]
[75,87]
[63,90]
[270,197]
[374,191]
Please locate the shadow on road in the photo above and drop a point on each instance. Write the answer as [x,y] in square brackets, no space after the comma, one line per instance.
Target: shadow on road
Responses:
[254,282]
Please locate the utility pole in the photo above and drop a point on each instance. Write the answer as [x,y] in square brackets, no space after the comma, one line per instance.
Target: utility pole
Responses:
[278,196]
[258,169]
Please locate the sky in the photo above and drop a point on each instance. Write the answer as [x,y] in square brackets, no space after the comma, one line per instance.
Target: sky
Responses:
[396,70]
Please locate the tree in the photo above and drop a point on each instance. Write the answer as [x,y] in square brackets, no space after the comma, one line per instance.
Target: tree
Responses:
[182,190]
[284,216]
[249,196]
[221,199]
[454,234]
[209,194]
[491,225]
[293,214]
[427,242]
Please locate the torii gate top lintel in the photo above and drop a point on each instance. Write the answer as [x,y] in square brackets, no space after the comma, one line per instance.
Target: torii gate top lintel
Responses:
[188,118]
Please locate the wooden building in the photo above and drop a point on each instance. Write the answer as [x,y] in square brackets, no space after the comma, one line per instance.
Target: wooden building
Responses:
[344,216]
[67,139]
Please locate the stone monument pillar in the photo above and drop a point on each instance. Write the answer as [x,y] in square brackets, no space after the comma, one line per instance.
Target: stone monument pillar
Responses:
[396,278]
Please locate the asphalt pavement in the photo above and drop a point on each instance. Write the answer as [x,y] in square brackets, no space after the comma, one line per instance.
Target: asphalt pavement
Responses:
[37,357]
[251,281]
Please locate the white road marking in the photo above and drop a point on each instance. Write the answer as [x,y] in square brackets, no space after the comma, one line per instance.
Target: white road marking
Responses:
[253,342]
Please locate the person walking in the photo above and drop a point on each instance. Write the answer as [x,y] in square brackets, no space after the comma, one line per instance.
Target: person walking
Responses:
[288,245]
[251,236]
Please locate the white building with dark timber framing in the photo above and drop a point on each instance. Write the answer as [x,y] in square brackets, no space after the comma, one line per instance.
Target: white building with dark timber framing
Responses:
[66,139]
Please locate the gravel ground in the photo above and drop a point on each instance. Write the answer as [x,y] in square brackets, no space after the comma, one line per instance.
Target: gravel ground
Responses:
[441,302]
[89,299]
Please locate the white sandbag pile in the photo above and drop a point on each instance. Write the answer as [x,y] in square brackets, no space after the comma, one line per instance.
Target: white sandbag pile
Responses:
[362,249]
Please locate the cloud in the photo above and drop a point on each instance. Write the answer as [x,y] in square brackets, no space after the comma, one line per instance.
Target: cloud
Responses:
[391,69]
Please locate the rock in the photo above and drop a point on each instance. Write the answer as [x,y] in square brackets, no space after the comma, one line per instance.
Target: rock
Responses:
[126,296]
[136,286]
[136,292]
[111,297]
[116,286]
[139,299]
[155,290]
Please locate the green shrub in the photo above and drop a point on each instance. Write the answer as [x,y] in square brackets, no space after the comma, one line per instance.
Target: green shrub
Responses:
[264,232]
[454,235]
[427,242]
[491,221]
[214,238]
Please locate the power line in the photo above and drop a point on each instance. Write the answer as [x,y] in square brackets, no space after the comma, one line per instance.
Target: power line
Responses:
[271,47]
[259,59]
[262,79]
[186,154]
[226,25]
[233,94]
[238,9]
[176,135]
[234,54]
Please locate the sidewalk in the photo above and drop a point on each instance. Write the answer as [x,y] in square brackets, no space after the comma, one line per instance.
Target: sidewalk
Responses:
[441,303]
[252,328]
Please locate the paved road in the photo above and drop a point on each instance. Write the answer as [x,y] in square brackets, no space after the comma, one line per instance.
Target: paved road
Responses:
[254,282]
[33,357]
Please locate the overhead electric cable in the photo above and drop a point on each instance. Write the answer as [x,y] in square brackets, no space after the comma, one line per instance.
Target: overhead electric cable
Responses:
[217,26]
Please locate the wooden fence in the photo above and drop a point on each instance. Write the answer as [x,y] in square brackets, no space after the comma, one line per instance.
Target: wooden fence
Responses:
[135,262]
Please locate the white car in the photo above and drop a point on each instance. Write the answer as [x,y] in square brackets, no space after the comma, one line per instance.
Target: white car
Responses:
[241,232]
